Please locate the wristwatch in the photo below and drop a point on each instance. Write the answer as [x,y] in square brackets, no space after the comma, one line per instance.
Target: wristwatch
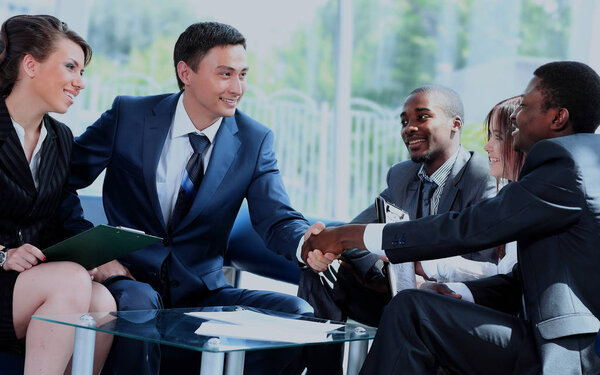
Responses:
[2,256]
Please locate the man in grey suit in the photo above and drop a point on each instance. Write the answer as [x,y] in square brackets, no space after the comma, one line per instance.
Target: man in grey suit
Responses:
[460,178]
[553,212]
[359,288]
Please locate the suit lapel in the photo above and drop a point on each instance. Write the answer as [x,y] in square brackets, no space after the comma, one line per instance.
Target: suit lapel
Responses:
[12,157]
[223,155]
[156,128]
[451,188]
[48,156]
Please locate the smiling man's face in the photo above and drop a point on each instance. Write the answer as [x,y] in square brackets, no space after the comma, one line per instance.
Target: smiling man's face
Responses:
[427,131]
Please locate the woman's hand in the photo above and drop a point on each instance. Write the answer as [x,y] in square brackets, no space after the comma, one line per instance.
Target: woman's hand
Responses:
[23,258]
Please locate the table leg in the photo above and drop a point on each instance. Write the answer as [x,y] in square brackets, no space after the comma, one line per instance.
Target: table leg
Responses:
[234,364]
[83,347]
[212,363]
[356,355]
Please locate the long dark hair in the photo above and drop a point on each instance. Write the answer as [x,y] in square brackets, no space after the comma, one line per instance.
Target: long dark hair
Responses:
[500,115]
[31,35]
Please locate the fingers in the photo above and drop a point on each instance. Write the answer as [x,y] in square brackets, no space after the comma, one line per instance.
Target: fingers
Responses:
[317,261]
[315,229]
[23,258]
[93,272]
[445,290]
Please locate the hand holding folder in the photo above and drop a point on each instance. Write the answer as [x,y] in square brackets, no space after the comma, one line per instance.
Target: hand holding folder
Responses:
[99,245]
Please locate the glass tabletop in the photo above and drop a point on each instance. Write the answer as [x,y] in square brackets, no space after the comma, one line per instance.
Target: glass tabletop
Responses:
[217,329]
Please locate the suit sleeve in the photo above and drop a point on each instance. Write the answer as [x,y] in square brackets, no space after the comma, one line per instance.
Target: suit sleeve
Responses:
[92,152]
[500,292]
[272,216]
[366,263]
[70,213]
[546,199]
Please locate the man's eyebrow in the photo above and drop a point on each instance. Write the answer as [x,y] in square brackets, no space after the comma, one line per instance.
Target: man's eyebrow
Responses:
[421,109]
[230,68]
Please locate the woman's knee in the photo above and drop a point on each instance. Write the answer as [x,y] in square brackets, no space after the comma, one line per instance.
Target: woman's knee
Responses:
[102,300]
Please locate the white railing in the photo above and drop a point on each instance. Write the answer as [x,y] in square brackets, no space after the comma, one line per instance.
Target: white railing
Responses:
[304,139]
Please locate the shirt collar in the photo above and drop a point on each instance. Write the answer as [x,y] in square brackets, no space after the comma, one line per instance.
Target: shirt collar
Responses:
[442,173]
[21,134]
[182,125]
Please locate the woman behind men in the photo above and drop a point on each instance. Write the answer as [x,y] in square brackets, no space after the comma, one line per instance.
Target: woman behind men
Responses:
[505,164]
[41,64]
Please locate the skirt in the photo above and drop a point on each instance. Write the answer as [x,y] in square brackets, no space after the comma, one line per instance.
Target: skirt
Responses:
[8,340]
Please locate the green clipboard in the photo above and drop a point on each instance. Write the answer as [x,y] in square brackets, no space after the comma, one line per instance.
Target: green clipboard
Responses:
[99,245]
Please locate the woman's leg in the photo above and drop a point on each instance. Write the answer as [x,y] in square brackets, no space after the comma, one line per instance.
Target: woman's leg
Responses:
[102,301]
[60,287]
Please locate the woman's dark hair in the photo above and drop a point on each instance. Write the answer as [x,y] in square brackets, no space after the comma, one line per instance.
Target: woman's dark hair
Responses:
[31,35]
[500,115]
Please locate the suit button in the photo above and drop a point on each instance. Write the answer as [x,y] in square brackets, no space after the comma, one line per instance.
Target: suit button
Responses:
[174,283]
[394,243]
[166,242]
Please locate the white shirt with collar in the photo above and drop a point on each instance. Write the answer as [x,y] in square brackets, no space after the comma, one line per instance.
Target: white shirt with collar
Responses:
[34,164]
[175,154]
[174,157]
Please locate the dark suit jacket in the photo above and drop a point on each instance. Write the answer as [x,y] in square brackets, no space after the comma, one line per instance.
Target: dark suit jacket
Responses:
[29,215]
[127,141]
[468,183]
[553,212]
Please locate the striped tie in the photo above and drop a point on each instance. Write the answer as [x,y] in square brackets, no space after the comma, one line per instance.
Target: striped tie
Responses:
[192,177]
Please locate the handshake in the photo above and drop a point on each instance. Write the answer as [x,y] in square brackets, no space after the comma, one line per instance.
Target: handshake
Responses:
[323,245]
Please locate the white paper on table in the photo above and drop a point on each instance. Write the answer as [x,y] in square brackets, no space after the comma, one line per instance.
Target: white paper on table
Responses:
[255,325]
[261,332]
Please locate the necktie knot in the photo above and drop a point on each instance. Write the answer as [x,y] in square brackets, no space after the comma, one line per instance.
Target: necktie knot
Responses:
[199,142]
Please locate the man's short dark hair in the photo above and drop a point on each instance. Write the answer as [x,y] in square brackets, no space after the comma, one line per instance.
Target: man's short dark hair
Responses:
[574,86]
[449,99]
[195,42]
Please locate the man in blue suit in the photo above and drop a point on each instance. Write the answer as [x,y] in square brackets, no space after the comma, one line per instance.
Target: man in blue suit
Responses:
[179,166]
[553,213]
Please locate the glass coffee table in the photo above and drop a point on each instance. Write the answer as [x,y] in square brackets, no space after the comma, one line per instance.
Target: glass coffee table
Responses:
[231,330]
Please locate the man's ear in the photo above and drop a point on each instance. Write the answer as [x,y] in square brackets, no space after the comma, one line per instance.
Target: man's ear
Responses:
[457,123]
[560,120]
[183,72]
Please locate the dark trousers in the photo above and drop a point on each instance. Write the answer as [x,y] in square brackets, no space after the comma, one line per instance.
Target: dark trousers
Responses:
[423,333]
[135,357]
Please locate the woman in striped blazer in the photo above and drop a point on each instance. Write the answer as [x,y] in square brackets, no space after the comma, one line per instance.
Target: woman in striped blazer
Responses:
[41,67]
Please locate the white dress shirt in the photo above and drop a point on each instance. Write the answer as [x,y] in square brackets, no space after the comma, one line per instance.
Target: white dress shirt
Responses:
[34,164]
[175,154]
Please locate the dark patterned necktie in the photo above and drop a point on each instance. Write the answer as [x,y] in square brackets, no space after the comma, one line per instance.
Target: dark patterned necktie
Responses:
[192,177]
[428,190]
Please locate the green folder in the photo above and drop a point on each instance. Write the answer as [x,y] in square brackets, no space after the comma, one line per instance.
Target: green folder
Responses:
[99,245]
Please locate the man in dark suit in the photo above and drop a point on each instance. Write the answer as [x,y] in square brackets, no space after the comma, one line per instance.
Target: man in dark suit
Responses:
[461,179]
[359,288]
[552,212]
[179,166]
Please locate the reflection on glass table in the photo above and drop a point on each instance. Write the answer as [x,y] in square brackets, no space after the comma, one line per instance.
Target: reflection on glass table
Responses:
[213,331]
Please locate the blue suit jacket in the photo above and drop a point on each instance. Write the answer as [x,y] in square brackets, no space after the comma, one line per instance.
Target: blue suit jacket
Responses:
[127,142]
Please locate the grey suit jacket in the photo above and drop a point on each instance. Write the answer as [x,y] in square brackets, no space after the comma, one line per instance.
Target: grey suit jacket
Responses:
[468,183]
[553,212]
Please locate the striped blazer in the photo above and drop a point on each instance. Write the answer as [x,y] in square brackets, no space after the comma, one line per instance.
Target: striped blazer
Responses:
[27,214]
